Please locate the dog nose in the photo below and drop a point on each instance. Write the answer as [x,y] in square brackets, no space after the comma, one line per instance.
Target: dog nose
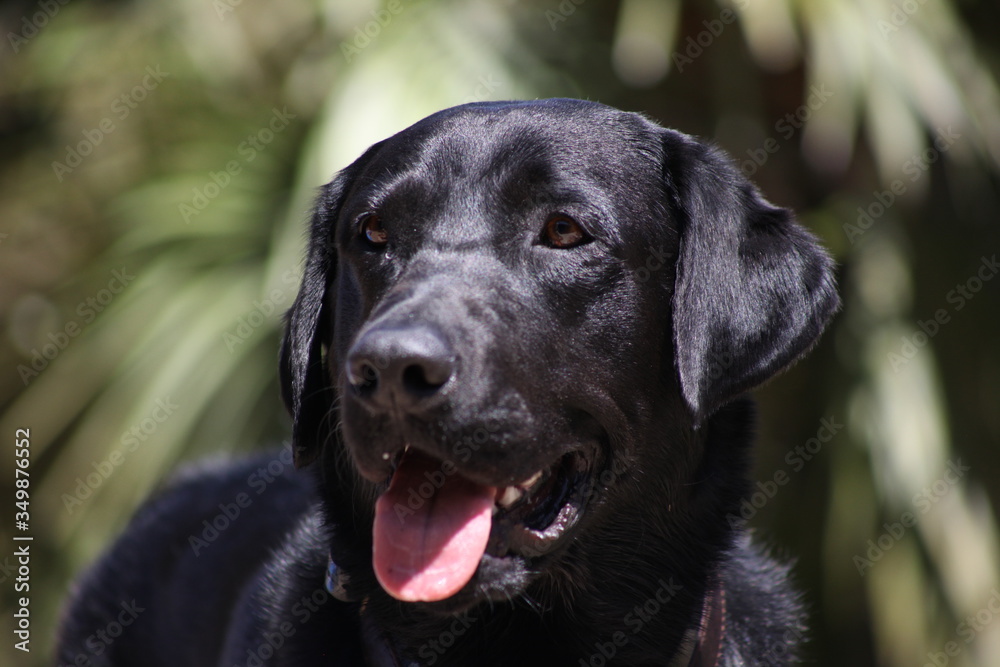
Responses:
[401,367]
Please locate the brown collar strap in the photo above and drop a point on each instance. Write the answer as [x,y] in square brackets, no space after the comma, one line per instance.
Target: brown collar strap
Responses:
[708,648]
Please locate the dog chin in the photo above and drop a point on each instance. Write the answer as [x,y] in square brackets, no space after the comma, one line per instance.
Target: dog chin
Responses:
[498,579]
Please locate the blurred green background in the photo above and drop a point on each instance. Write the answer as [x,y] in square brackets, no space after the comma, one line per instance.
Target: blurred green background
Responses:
[157,167]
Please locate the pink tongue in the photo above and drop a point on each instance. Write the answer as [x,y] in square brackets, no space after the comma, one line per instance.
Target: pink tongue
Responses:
[431,529]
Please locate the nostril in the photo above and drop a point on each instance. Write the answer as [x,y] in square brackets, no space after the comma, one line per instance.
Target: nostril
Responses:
[364,378]
[421,380]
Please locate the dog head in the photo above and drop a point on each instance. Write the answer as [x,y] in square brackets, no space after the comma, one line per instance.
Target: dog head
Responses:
[515,320]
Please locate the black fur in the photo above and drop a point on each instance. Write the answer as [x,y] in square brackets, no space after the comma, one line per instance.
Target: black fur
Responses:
[470,337]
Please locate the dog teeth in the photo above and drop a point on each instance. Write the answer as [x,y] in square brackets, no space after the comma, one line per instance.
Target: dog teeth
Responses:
[530,482]
[510,495]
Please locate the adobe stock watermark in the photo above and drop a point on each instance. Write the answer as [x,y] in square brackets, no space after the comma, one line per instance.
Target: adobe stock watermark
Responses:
[913,169]
[129,442]
[261,312]
[88,309]
[488,85]
[900,15]
[31,26]
[365,34]
[924,501]
[786,127]
[432,650]
[635,620]
[121,108]
[247,150]
[225,7]
[434,480]
[230,512]
[102,639]
[796,458]
[958,298]
[271,641]
[656,260]
[696,45]
[562,12]
[967,631]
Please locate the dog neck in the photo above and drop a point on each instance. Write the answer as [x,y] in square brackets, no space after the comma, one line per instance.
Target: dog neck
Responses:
[701,648]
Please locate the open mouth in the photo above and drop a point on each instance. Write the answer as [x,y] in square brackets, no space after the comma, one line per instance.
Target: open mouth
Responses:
[433,525]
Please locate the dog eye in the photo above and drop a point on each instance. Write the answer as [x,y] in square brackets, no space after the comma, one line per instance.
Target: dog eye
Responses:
[370,227]
[562,231]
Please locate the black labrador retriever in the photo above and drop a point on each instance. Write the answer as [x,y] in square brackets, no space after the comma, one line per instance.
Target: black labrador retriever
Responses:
[516,370]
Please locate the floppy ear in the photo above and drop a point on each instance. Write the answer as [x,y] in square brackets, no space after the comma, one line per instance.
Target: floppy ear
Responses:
[754,290]
[306,387]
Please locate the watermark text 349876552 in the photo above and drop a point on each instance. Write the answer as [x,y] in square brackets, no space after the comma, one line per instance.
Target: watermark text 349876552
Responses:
[22,540]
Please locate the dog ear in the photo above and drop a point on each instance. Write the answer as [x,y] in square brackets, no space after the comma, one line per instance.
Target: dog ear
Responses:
[753,291]
[306,386]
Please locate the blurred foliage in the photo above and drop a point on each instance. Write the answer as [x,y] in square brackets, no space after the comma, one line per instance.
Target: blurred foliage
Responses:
[158,165]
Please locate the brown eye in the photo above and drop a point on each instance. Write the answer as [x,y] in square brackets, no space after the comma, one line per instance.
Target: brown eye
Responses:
[562,231]
[371,229]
